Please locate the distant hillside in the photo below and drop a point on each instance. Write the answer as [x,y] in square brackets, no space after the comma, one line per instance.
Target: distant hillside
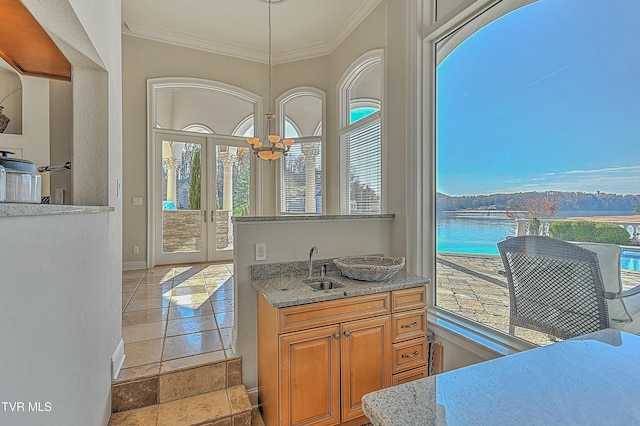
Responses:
[569,201]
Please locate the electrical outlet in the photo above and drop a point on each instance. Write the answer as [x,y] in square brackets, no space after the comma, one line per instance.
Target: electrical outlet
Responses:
[136,249]
[137,201]
[261,251]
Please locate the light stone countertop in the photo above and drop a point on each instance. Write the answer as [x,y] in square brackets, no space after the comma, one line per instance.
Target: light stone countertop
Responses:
[26,209]
[290,290]
[310,218]
[590,380]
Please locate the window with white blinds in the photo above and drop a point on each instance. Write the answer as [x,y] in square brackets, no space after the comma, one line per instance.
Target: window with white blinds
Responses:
[361,167]
[301,178]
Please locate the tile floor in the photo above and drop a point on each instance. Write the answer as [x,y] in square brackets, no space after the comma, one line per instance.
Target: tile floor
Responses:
[176,317]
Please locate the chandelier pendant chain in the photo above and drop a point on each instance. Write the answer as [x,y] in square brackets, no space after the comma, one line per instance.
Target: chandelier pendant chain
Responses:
[273,146]
[270,112]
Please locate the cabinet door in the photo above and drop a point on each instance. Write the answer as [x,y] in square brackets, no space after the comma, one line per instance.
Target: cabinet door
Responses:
[366,361]
[310,377]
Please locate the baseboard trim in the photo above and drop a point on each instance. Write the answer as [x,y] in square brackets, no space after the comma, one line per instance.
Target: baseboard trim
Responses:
[117,360]
[128,266]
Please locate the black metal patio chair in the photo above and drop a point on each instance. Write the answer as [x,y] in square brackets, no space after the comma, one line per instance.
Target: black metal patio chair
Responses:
[557,287]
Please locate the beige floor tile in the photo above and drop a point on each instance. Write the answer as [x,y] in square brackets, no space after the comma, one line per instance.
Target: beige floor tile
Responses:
[220,294]
[180,290]
[224,319]
[143,305]
[138,372]
[134,272]
[234,371]
[226,334]
[130,287]
[238,399]
[189,281]
[219,306]
[135,394]
[166,286]
[191,382]
[191,344]
[141,353]
[191,325]
[151,292]
[191,361]
[256,418]
[141,332]
[194,410]
[190,299]
[155,280]
[147,416]
[176,312]
[146,316]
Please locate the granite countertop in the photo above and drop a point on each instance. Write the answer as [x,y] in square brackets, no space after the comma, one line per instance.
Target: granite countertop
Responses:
[288,289]
[26,209]
[587,380]
[311,217]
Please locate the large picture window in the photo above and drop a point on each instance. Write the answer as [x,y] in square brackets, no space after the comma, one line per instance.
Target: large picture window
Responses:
[536,124]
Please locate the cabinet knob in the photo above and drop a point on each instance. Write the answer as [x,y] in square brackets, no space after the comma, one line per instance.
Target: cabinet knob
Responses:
[336,336]
[347,334]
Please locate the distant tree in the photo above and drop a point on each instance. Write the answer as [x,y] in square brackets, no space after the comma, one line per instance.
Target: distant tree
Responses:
[636,210]
[194,183]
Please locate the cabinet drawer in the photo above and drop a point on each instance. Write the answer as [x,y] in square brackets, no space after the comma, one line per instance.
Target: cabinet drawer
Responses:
[409,298]
[409,375]
[408,325]
[409,354]
[318,314]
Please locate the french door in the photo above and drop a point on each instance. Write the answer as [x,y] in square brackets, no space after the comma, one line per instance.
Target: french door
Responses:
[199,183]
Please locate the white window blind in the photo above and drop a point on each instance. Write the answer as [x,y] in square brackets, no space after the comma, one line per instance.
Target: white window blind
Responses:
[361,167]
[300,168]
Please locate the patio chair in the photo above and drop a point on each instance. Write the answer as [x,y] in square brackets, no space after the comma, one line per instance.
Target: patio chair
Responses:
[567,289]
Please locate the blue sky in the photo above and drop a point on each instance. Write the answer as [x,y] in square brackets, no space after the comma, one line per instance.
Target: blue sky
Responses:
[545,98]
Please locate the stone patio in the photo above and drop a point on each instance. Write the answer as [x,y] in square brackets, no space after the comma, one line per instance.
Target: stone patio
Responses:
[470,285]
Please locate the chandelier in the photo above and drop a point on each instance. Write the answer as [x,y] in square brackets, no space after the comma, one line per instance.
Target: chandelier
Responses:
[273,147]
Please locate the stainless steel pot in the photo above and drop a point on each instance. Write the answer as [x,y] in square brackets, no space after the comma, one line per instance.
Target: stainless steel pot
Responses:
[23,182]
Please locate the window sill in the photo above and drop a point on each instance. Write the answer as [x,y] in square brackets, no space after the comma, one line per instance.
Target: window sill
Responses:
[476,338]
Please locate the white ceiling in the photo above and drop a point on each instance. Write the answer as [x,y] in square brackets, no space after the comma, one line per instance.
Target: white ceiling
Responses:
[300,28]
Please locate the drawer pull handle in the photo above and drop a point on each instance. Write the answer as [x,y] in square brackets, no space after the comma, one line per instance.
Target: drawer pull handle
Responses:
[413,324]
[410,355]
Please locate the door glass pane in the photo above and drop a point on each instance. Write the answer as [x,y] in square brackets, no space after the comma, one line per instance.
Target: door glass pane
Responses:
[232,189]
[181,197]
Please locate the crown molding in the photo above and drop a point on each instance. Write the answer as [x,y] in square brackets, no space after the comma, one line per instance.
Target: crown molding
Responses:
[355,16]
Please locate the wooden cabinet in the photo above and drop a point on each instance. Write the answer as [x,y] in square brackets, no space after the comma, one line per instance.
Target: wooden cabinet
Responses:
[316,361]
[310,377]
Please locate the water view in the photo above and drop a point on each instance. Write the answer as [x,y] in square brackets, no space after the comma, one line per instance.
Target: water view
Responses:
[479,235]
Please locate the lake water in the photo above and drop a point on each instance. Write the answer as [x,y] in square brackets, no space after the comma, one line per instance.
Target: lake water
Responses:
[479,235]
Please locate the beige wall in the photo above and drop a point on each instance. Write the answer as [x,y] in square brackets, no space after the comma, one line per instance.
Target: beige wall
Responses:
[143,59]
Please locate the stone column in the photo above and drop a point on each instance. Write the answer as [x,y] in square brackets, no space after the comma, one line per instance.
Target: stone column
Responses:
[171,163]
[310,151]
[227,187]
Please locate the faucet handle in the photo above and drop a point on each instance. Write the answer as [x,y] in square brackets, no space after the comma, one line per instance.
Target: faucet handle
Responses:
[323,271]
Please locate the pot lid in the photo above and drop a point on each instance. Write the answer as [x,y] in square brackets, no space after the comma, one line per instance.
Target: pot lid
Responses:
[16,163]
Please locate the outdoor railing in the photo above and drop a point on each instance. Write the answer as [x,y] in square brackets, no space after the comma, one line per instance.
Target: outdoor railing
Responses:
[522,228]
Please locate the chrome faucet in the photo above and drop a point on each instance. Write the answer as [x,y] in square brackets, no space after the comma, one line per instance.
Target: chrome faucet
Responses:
[313,250]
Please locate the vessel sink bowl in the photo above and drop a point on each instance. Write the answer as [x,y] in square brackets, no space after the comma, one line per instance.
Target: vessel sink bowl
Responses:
[318,284]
